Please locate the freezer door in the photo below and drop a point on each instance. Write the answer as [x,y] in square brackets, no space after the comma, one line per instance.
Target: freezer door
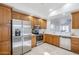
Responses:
[16,37]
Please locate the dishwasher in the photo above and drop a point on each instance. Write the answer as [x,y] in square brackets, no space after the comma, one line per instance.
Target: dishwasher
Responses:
[65,42]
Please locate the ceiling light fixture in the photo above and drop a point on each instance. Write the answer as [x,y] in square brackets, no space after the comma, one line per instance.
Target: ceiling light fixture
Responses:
[50,10]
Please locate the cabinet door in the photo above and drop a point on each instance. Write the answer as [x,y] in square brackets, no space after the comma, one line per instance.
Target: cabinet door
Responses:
[36,21]
[24,17]
[1,15]
[75,20]
[51,39]
[42,23]
[33,41]
[55,40]
[46,38]
[33,21]
[5,15]
[16,15]
[0,33]
[5,32]
[5,48]
[75,45]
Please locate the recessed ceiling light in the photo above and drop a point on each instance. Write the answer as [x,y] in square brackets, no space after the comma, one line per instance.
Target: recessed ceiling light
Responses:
[50,10]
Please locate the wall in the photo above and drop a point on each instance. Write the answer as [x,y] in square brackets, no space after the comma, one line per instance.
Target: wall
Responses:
[68,8]
[75,32]
[48,27]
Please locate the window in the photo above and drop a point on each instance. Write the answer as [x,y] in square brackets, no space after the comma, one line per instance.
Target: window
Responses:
[64,28]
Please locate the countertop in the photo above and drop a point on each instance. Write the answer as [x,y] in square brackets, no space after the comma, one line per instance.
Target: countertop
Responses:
[61,35]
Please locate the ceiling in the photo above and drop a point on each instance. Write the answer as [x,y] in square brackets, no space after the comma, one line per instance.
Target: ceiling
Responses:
[36,9]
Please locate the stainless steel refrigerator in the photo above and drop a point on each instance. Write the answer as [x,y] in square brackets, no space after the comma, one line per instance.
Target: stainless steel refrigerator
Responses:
[21,36]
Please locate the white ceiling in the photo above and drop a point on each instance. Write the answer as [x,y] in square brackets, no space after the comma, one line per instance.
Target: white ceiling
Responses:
[37,9]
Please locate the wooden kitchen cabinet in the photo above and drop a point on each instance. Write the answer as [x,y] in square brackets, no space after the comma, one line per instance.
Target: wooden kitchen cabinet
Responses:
[51,39]
[31,18]
[5,40]
[5,48]
[55,40]
[25,17]
[75,45]
[5,15]
[45,24]
[20,16]
[5,33]
[46,38]
[34,21]
[16,15]
[33,41]
[75,20]
[42,23]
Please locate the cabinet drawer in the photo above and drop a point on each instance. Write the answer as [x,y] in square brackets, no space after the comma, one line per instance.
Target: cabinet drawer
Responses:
[75,41]
[75,45]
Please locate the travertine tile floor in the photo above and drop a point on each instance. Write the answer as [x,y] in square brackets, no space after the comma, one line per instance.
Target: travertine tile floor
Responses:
[47,49]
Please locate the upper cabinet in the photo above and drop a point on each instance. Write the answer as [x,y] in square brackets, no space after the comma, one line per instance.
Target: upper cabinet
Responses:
[75,20]
[42,23]
[24,17]
[16,15]
[5,15]
[33,21]
[20,16]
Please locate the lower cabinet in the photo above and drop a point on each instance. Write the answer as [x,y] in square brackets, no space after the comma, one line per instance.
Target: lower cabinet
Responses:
[51,39]
[75,45]
[46,38]
[33,41]
[71,44]
[5,48]
[55,40]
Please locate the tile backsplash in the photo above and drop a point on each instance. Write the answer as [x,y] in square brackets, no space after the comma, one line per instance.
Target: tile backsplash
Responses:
[75,32]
